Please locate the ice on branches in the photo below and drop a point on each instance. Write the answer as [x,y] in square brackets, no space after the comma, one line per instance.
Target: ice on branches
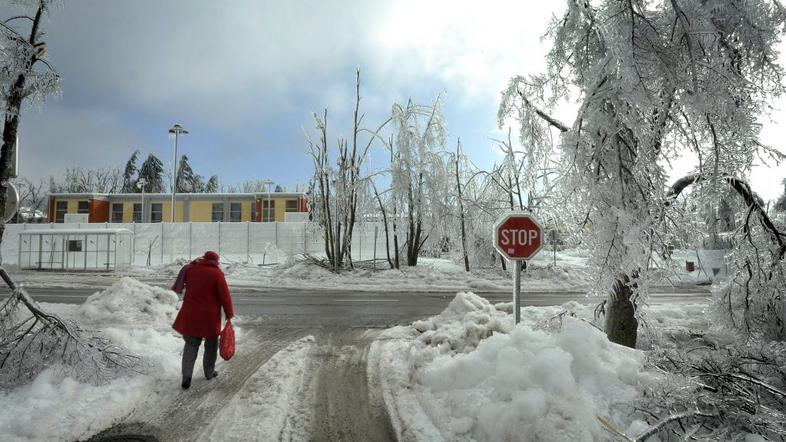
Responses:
[32,340]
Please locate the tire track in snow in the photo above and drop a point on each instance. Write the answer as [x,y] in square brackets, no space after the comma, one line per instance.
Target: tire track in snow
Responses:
[346,407]
[190,412]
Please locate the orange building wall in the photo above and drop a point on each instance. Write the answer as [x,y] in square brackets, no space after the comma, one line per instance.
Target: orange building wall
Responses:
[98,211]
[52,209]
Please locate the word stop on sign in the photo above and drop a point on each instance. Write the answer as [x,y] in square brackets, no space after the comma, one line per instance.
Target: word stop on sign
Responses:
[517,237]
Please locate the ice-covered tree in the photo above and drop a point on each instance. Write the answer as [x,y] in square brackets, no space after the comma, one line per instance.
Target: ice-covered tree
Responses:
[419,133]
[780,204]
[653,78]
[187,180]
[79,180]
[30,338]
[25,76]
[129,182]
[32,198]
[152,171]
[338,188]
[212,184]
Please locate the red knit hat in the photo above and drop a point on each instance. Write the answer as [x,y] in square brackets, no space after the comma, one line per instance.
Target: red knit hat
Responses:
[211,256]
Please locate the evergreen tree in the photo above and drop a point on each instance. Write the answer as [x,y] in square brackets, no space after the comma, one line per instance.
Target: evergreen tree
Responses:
[212,184]
[152,171]
[187,180]
[129,182]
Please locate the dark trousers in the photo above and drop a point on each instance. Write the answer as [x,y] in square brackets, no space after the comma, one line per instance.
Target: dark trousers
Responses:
[190,354]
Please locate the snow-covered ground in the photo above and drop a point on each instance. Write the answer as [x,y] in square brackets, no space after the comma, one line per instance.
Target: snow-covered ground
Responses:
[465,374]
[564,271]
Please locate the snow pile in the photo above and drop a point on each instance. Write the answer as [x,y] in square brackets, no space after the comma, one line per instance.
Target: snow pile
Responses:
[57,408]
[470,375]
[133,316]
[130,302]
[466,321]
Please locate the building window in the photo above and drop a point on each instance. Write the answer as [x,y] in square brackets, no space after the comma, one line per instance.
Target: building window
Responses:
[291,206]
[218,213]
[156,213]
[117,212]
[83,207]
[268,210]
[74,245]
[61,208]
[254,211]
[235,212]
[137,213]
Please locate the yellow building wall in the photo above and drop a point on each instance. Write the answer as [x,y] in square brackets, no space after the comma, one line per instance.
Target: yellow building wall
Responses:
[245,214]
[280,209]
[166,207]
[73,205]
[128,212]
[201,211]
[128,209]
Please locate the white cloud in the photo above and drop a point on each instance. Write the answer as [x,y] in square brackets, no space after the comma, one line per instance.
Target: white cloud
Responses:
[474,47]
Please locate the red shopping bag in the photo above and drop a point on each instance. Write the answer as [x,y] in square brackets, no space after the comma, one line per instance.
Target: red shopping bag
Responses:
[226,342]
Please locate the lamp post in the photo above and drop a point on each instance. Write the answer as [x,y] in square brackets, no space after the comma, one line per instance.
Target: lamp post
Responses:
[268,182]
[141,183]
[176,129]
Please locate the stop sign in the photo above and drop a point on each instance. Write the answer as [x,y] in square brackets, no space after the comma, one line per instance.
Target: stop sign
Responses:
[518,236]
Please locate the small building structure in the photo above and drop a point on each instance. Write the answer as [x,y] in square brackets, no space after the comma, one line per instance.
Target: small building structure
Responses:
[75,249]
[189,207]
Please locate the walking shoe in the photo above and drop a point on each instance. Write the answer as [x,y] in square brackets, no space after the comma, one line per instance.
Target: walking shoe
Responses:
[186,383]
[212,375]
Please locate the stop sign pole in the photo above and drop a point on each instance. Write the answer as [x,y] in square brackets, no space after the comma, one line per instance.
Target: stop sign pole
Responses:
[518,237]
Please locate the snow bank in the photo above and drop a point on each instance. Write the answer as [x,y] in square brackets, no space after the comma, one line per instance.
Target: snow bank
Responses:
[132,315]
[56,408]
[469,374]
[137,317]
[430,275]
[130,302]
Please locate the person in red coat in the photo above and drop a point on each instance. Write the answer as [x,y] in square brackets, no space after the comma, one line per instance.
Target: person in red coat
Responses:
[200,315]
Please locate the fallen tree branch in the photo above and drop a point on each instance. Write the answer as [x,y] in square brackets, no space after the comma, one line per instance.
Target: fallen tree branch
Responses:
[31,344]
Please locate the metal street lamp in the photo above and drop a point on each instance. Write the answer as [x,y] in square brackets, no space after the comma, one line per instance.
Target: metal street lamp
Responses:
[268,182]
[176,129]
[141,183]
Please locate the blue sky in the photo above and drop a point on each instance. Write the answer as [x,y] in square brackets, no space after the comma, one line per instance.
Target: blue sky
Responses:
[244,77]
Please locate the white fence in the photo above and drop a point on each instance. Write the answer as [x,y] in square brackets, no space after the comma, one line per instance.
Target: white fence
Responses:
[259,243]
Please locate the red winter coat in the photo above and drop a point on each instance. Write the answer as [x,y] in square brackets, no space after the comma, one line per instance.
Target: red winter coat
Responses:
[206,293]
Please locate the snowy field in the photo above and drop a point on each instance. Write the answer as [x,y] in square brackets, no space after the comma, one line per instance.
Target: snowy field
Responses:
[465,374]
